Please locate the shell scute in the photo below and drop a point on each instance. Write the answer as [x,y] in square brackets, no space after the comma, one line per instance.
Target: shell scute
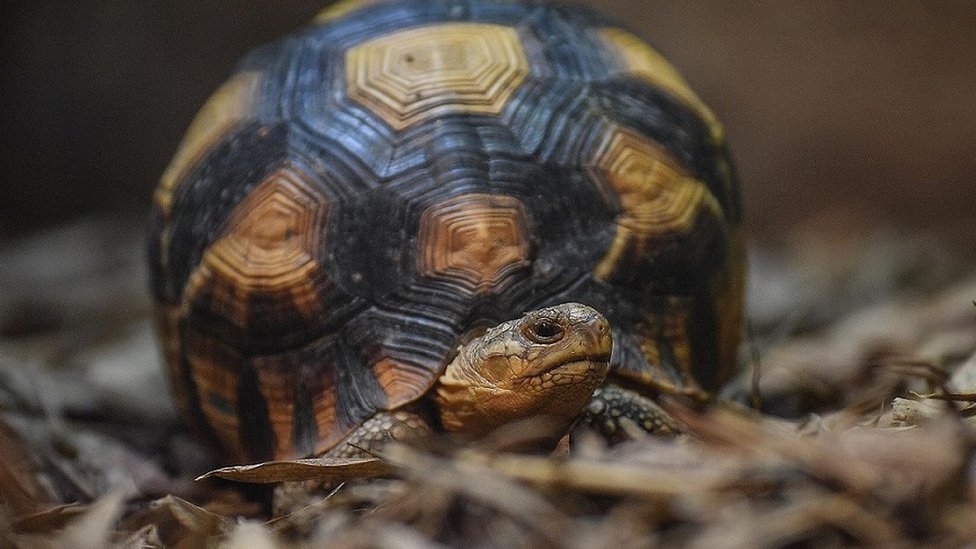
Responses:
[364,194]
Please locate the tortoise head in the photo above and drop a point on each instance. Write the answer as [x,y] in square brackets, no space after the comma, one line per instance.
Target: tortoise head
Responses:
[545,364]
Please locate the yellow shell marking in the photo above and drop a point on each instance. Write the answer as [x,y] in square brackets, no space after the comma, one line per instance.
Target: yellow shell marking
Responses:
[675,330]
[477,240]
[231,104]
[341,9]
[420,73]
[400,382]
[267,246]
[669,328]
[280,380]
[277,386]
[216,372]
[657,197]
[643,61]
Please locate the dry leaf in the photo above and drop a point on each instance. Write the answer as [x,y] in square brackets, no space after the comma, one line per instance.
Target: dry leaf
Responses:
[321,469]
[178,523]
[92,529]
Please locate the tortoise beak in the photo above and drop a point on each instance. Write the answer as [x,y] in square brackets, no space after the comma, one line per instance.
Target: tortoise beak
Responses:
[587,338]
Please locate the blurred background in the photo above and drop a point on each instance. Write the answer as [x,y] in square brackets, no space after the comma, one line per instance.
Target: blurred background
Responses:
[859,110]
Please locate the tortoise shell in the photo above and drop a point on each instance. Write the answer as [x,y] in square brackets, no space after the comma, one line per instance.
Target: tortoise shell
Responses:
[360,196]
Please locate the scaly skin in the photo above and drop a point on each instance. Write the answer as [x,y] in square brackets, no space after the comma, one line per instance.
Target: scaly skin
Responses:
[544,365]
[547,365]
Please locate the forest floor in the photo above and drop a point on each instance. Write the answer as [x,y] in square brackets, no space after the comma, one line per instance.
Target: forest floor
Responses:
[853,423]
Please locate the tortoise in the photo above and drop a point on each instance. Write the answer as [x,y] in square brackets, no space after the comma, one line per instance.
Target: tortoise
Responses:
[401,180]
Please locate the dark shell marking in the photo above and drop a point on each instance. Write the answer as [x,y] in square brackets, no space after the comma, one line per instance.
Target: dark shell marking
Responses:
[360,195]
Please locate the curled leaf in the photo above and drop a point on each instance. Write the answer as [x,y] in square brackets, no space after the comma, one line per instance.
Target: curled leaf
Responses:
[297,470]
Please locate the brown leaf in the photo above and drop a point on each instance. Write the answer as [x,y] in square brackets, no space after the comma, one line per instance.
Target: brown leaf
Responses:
[19,488]
[802,519]
[147,536]
[473,479]
[177,522]
[601,477]
[92,529]
[45,521]
[320,469]
[859,460]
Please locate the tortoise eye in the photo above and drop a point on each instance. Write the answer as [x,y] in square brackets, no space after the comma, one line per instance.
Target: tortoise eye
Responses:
[543,331]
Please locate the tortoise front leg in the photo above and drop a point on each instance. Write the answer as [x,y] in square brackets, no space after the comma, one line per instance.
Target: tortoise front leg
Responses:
[369,437]
[620,414]
[383,427]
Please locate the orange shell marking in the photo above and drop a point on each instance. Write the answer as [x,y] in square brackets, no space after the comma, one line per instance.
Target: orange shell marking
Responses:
[401,382]
[215,368]
[657,197]
[277,386]
[643,61]
[231,104]
[477,240]
[420,73]
[268,246]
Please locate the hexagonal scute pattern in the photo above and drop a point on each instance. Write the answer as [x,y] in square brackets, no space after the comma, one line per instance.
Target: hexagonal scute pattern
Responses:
[230,105]
[413,75]
[474,240]
[638,58]
[267,249]
[657,197]
[362,194]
